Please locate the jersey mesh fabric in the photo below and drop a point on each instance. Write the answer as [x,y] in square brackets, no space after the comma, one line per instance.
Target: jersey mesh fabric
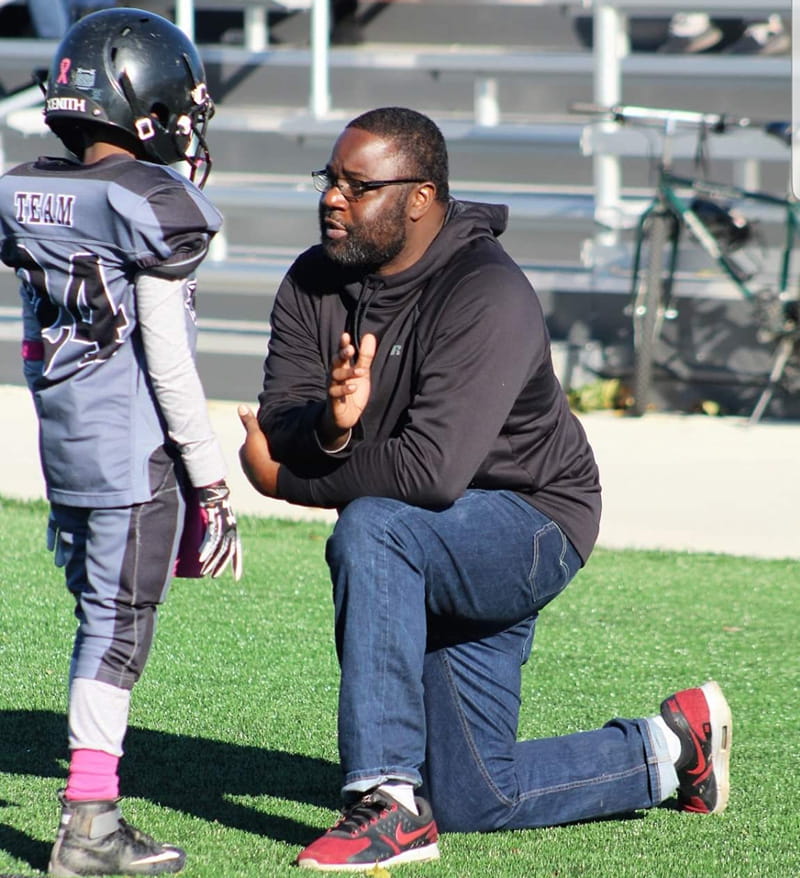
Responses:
[77,237]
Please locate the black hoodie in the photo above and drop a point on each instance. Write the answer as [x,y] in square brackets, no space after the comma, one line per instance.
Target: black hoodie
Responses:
[463,389]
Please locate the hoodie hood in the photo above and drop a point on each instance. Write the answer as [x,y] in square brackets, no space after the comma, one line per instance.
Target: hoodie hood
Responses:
[384,295]
[464,222]
[380,299]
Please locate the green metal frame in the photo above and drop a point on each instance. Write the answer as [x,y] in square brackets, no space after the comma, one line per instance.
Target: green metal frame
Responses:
[668,199]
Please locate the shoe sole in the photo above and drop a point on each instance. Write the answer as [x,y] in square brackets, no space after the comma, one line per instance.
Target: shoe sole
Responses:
[56,869]
[721,733]
[415,855]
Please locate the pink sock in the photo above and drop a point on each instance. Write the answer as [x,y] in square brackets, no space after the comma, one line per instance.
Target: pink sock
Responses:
[92,775]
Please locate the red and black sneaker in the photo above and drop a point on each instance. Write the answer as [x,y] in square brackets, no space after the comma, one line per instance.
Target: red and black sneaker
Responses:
[701,718]
[375,830]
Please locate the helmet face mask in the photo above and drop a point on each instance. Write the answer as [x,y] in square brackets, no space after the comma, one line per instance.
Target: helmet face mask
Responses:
[138,74]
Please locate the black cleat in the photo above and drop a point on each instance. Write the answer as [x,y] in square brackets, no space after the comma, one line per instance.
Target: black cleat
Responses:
[93,839]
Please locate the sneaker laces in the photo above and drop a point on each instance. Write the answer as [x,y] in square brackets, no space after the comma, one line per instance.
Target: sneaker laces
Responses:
[363,813]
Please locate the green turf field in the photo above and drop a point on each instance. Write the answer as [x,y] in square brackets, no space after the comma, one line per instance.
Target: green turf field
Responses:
[231,751]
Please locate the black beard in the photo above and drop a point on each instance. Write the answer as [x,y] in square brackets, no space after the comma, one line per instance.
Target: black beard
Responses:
[368,251]
[368,255]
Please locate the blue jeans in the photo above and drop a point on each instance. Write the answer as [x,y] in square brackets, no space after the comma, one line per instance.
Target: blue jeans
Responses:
[435,614]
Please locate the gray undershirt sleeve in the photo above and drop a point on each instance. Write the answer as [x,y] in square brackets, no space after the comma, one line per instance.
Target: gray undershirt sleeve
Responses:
[177,385]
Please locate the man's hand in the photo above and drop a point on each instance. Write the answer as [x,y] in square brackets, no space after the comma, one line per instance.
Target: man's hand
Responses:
[257,463]
[221,543]
[349,390]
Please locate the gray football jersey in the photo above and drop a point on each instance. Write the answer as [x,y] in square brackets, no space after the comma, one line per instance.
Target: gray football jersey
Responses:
[77,236]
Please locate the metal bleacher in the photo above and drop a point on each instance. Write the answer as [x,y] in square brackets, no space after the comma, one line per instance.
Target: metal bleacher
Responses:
[489,123]
[284,88]
[494,118]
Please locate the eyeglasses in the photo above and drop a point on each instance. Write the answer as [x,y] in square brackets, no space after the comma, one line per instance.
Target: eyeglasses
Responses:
[353,190]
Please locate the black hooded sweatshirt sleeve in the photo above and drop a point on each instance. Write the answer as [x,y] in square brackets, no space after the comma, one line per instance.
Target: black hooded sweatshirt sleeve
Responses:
[463,389]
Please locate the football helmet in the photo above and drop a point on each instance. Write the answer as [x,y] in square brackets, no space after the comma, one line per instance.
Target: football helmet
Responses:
[139,74]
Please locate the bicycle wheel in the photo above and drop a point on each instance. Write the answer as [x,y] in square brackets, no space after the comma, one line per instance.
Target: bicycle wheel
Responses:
[648,310]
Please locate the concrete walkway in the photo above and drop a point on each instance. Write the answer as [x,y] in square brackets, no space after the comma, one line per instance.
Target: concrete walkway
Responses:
[685,482]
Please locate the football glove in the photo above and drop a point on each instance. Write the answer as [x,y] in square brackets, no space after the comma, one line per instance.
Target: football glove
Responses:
[221,543]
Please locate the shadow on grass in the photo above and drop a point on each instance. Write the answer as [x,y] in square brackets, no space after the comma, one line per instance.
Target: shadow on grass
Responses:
[22,846]
[189,774]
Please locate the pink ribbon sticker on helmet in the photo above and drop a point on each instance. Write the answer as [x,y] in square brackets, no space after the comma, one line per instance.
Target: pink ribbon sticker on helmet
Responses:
[63,70]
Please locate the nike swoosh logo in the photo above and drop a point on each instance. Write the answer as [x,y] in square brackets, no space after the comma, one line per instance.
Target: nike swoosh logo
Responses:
[157,858]
[405,838]
[702,763]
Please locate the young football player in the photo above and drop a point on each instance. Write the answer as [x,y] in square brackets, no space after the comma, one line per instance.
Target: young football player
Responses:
[105,245]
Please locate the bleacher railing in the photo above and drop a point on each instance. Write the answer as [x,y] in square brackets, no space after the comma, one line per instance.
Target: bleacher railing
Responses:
[608,62]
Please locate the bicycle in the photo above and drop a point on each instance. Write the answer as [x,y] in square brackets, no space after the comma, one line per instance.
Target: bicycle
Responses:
[703,208]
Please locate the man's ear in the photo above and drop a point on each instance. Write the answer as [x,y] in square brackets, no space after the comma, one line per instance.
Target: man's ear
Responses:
[423,197]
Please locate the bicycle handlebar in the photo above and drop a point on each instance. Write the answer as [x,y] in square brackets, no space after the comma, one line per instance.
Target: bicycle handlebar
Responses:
[716,122]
